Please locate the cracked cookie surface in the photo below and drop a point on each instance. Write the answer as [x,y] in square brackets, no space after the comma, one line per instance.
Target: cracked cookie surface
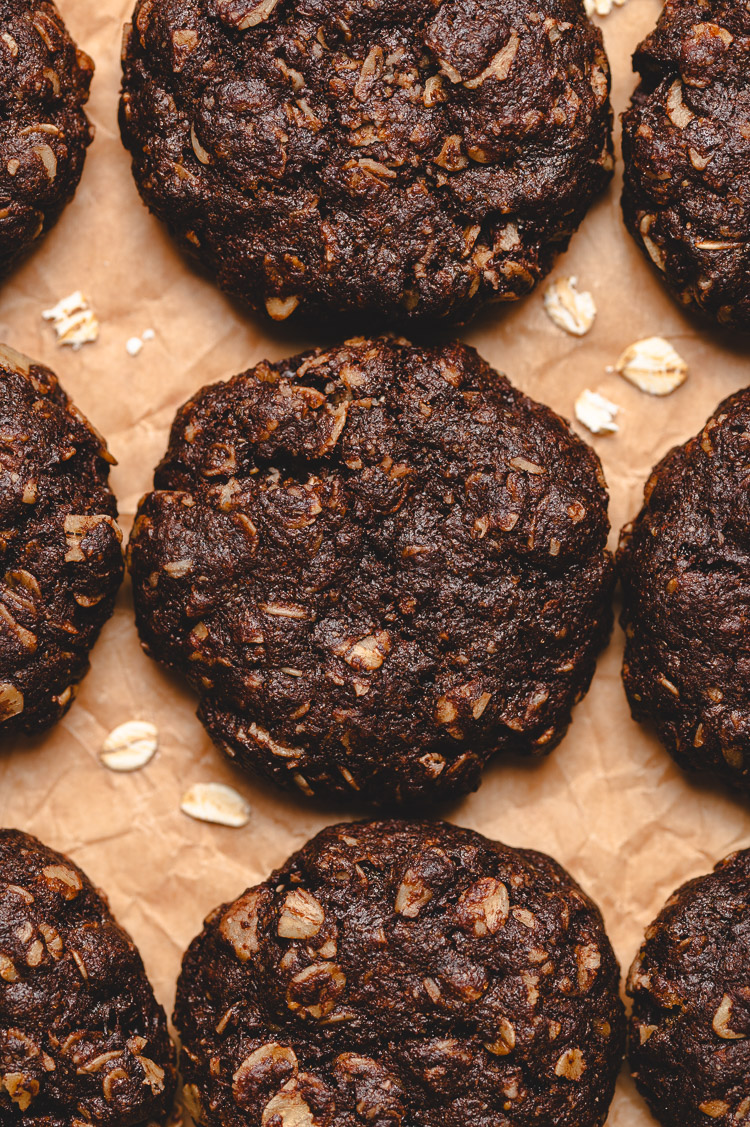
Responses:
[685,570]
[44,131]
[400,161]
[403,973]
[691,1003]
[60,555]
[82,1038]
[378,566]
[686,147]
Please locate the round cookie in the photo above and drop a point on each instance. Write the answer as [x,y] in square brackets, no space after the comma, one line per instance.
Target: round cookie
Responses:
[378,566]
[403,973]
[395,161]
[686,146]
[44,132]
[691,1003]
[60,556]
[82,1038]
[685,570]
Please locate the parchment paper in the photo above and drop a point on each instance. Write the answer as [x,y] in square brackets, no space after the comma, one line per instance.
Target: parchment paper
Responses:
[608,804]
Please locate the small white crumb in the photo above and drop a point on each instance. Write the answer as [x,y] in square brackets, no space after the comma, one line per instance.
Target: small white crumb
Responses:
[74,321]
[217,803]
[653,366]
[130,746]
[596,413]
[601,7]
[149,334]
[570,310]
[133,346]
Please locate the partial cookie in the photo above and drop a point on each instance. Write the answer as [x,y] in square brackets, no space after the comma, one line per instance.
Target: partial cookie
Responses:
[44,131]
[685,570]
[686,145]
[398,161]
[378,566]
[82,1038]
[691,1002]
[403,973]
[60,556]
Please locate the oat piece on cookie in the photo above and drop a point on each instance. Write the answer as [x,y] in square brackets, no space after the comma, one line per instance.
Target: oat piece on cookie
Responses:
[390,160]
[378,565]
[403,973]
[690,1029]
[685,570]
[686,145]
[60,555]
[82,1038]
[44,131]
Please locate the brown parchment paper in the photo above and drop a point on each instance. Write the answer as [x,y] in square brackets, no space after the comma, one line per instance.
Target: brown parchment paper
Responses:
[608,804]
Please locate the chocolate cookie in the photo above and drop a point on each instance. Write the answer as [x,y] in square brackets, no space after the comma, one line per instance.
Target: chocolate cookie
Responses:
[44,132]
[394,160]
[60,555]
[686,144]
[399,973]
[378,566]
[691,1002]
[82,1038]
[685,570]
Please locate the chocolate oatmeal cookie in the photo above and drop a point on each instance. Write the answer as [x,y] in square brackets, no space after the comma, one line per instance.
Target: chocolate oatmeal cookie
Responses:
[60,555]
[378,566]
[44,132]
[685,570]
[691,1002]
[82,1038]
[686,144]
[394,160]
[399,973]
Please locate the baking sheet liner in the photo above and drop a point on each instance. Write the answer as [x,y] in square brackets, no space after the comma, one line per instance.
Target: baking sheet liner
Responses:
[609,804]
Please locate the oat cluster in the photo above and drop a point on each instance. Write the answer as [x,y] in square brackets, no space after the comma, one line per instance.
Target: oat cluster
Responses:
[378,566]
[404,160]
[403,973]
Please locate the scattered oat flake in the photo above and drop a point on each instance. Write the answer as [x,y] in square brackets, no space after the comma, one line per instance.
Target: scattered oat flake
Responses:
[596,413]
[601,7]
[217,803]
[570,309]
[73,320]
[130,746]
[653,366]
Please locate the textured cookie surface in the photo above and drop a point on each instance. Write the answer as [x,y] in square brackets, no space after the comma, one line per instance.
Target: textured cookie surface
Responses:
[378,566]
[82,1039]
[403,973]
[402,160]
[685,569]
[690,1029]
[44,132]
[60,555]
[686,144]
